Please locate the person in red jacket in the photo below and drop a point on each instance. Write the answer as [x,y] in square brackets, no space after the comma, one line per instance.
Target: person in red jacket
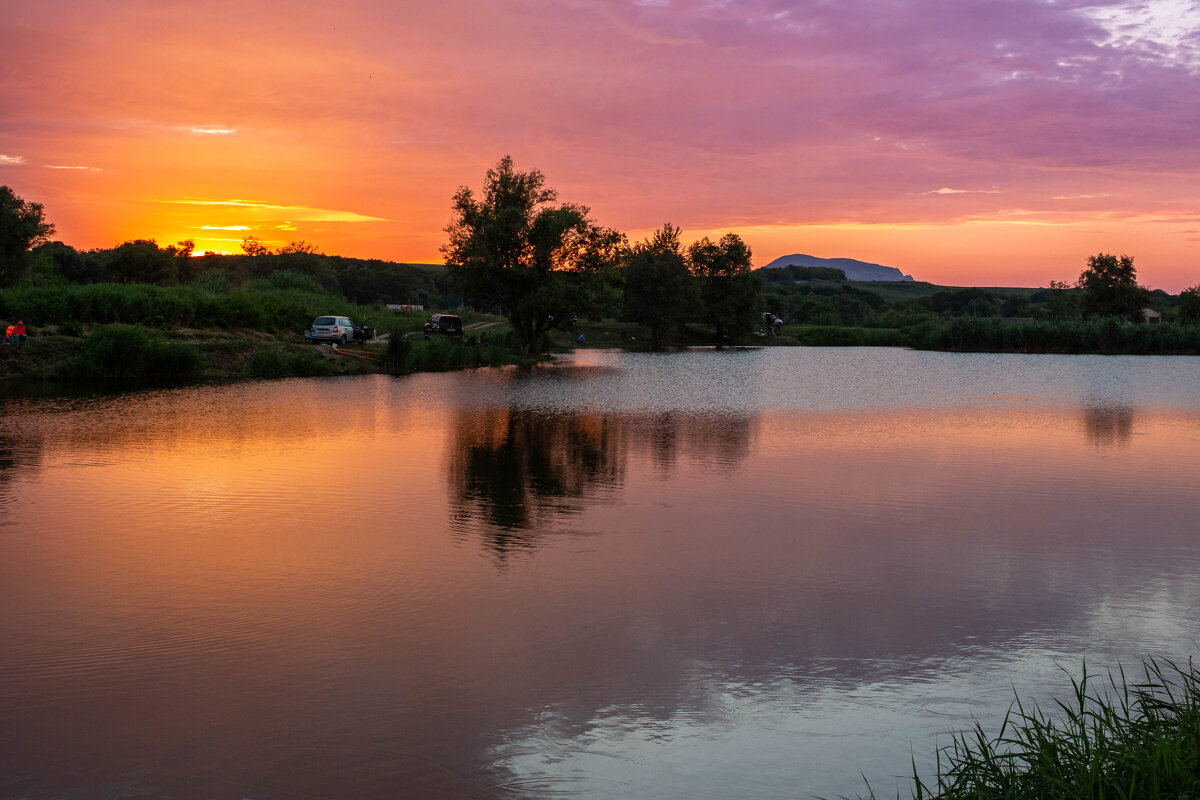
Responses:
[19,330]
[9,332]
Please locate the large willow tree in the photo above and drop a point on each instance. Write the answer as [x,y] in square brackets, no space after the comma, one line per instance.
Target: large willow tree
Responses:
[515,249]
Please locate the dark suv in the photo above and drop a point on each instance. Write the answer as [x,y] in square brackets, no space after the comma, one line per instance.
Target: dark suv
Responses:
[445,324]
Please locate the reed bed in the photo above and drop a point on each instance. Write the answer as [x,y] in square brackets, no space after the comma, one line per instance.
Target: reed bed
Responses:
[1105,335]
[268,309]
[1116,737]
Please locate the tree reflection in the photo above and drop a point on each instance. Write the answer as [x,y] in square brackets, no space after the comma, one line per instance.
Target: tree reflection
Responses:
[515,474]
[18,452]
[1108,425]
[512,470]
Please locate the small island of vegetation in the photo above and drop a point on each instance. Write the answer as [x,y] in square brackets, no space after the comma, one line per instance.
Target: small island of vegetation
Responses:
[537,275]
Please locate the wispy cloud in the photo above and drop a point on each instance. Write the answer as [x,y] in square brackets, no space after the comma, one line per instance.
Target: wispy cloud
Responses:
[11,161]
[222,228]
[73,167]
[948,190]
[303,213]
[211,130]
[1080,196]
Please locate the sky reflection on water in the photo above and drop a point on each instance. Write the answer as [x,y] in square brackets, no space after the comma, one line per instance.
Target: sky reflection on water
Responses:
[751,574]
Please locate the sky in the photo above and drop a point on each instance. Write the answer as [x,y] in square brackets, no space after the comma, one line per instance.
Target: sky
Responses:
[967,142]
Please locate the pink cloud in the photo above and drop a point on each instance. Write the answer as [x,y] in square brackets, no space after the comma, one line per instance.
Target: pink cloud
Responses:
[710,114]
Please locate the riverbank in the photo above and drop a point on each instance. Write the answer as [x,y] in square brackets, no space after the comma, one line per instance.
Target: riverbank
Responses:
[1103,336]
[75,351]
[1135,736]
[123,353]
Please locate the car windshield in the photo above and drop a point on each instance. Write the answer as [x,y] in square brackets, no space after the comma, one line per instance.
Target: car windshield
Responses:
[324,321]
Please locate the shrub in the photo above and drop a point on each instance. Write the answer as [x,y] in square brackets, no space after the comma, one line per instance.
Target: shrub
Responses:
[271,363]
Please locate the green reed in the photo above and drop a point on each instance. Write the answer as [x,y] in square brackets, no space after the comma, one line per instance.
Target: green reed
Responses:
[1114,738]
[117,352]
[270,309]
[1105,335]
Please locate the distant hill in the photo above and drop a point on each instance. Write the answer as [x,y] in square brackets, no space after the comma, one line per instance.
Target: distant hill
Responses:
[855,270]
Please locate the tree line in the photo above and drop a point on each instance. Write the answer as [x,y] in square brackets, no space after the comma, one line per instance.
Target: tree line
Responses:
[29,256]
[514,249]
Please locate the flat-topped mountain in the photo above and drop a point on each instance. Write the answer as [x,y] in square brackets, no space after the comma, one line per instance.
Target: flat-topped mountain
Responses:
[855,270]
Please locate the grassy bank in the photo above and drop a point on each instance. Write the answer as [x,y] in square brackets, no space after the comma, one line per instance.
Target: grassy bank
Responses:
[137,332]
[1107,336]
[1123,737]
[130,353]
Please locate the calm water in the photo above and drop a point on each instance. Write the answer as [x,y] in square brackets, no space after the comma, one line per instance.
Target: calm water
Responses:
[701,575]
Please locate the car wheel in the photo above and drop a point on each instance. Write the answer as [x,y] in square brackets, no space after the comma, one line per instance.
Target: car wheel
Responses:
[343,339]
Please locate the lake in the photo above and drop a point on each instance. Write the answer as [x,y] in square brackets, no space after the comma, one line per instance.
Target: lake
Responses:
[754,574]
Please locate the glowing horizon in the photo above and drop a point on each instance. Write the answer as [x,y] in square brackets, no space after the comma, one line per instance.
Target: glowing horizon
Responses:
[990,142]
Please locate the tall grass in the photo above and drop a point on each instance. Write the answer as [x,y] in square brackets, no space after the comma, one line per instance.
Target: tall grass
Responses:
[283,361]
[399,346]
[1115,738]
[116,352]
[837,336]
[442,353]
[268,308]
[1102,335]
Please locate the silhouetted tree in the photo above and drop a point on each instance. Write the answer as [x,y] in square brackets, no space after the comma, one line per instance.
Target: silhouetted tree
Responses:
[23,226]
[1189,304]
[252,246]
[732,294]
[299,247]
[660,291]
[181,249]
[142,261]
[515,249]
[1110,287]
[1062,302]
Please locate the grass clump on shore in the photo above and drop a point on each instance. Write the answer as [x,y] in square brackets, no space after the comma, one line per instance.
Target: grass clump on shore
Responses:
[292,361]
[117,352]
[1122,739]
[441,353]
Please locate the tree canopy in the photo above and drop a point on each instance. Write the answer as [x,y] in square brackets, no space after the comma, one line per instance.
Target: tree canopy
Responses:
[23,226]
[1110,287]
[513,248]
[732,294]
[659,289]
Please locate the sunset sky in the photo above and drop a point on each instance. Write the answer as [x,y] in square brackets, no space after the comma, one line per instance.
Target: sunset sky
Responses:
[969,142]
